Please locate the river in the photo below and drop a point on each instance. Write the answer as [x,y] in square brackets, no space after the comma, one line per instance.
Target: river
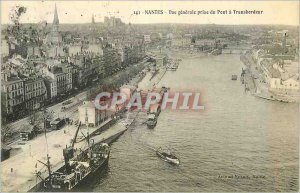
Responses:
[238,143]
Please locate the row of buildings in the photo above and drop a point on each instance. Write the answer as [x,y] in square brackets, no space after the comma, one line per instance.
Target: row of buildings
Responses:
[43,66]
[277,62]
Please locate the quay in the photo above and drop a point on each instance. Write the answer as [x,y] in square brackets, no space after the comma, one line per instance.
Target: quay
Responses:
[19,172]
[254,82]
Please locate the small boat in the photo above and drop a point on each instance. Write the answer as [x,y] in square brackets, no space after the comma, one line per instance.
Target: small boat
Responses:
[234,77]
[152,121]
[167,156]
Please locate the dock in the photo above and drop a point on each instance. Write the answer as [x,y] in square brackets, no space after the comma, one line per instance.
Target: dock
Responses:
[19,172]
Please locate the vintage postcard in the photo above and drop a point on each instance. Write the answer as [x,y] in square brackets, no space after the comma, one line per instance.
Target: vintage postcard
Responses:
[149,96]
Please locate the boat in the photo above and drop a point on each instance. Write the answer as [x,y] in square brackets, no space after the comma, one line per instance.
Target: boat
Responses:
[216,52]
[234,77]
[79,166]
[167,156]
[172,67]
[151,121]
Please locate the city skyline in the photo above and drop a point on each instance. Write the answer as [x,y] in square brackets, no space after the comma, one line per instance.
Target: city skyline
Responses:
[274,12]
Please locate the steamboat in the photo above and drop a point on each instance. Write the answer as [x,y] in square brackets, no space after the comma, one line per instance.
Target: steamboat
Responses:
[79,166]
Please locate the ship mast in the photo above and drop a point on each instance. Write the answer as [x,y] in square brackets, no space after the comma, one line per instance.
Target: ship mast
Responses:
[88,132]
[48,158]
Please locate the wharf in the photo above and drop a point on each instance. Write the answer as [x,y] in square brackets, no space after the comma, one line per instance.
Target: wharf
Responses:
[254,82]
[19,172]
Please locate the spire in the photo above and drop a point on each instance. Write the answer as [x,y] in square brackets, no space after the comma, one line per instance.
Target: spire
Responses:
[55,20]
[93,19]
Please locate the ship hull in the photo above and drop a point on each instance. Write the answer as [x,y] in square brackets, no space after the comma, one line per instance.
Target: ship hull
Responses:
[151,126]
[94,172]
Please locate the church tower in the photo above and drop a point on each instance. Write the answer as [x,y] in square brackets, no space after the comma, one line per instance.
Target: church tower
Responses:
[93,30]
[93,19]
[55,23]
[54,37]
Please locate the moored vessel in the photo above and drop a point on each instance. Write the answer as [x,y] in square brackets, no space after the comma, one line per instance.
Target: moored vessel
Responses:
[79,168]
[79,165]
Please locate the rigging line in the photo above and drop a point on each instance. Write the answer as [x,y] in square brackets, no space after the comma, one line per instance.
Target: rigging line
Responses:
[82,133]
[46,135]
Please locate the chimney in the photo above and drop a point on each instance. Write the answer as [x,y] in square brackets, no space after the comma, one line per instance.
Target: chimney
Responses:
[284,43]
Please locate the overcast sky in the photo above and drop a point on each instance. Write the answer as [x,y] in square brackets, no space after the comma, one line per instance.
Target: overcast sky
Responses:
[274,12]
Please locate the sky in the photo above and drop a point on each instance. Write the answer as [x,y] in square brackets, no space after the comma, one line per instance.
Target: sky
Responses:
[274,12]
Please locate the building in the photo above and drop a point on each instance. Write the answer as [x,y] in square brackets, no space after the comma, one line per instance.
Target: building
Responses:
[291,83]
[35,93]
[51,87]
[113,22]
[161,61]
[33,51]
[205,42]
[147,39]
[63,78]
[181,42]
[74,49]
[58,79]
[13,93]
[93,49]
[84,69]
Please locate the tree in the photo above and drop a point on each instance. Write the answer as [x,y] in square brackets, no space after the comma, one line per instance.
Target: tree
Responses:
[15,15]
[35,118]
[5,130]
[38,118]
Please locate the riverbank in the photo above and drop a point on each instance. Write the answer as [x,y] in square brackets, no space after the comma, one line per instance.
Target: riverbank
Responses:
[255,83]
[235,134]
[16,127]
[19,173]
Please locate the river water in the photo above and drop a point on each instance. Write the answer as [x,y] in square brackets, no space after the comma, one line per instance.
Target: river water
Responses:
[238,143]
